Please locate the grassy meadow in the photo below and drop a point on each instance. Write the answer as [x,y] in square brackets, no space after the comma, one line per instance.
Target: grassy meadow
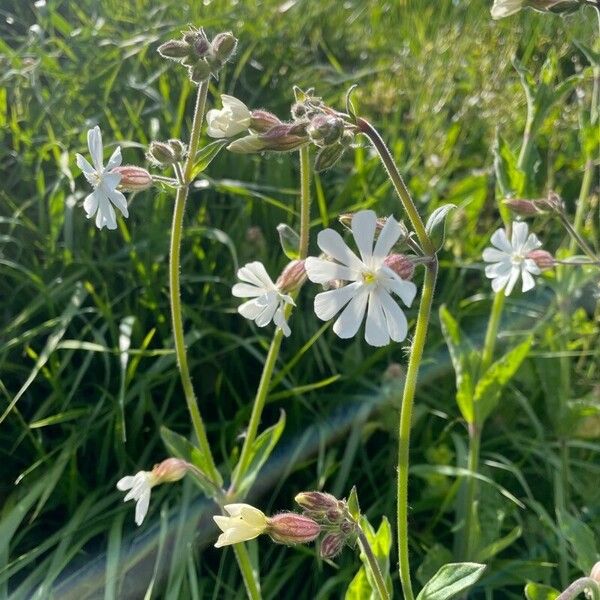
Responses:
[87,370]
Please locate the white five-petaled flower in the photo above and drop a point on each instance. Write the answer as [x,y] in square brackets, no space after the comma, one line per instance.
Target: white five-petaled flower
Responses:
[243,523]
[509,259]
[232,119]
[268,300]
[139,486]
[100,201]
[371,282]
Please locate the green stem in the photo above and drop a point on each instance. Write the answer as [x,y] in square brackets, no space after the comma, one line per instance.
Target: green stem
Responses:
[580,585]
[405,424]
[273,354]
[250,577]
[584,193]
[489,343]
[401,189]
[175,290]
[374,565]
[576,236]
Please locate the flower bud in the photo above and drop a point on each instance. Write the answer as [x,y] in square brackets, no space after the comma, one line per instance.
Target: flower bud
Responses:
[292,528]
[316,501]
[542,258]
[178,148]
[174,49]
[223,46]
[524,208]
[595,572]
[328,156]
[332,544]
[249,144]
[401,265]
[325,130]
[292,277]
[553,202]
[262,121]
[299,110]
[169,470]
[133,179]
[198,42]
[283,138]
[161,154]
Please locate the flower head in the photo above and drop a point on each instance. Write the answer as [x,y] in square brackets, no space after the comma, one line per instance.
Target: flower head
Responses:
[371,281]
[100,202]
[268,300]
[243,523]
[509,259]
[232,119]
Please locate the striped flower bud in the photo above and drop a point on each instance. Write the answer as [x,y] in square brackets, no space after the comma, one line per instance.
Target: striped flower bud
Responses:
[133,179]
[543,259]
[401,265]
[332,544]
[316,501]
[292,528]
[292,277]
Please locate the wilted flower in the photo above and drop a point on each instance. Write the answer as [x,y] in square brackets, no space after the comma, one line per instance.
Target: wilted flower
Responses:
[268,300]
[104,181]
[140,485]
[232,119]
[243,523]
[292,528]
[510,259]
[372,282]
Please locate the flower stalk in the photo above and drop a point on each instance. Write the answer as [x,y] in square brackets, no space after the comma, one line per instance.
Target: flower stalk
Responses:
[373,565]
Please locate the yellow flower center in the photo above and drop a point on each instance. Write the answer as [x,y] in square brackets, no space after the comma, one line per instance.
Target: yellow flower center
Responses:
[368,277]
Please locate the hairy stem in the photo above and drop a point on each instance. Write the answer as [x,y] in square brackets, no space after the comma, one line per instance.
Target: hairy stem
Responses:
[581,585]
[408,396]
[373,565]
[175,288]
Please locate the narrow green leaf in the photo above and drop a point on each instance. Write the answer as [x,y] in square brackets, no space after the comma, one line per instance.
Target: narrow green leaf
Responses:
[451,580]
[206,155]
[582,540]
[353,505]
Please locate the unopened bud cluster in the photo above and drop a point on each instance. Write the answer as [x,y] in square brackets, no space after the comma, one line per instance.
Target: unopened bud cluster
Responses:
[529,208]
[202,57]
[333,517]
[164,154]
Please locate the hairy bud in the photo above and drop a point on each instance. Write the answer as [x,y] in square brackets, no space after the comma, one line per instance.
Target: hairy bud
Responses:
[133,179]
[524,208]
[199,72]
[401,265]
[169,470]
[542,258]
[198,42]
[174,49]
[162,154]
[332,544]
[224,46]
[325,130]
[262,121]
[292,277]
[316,501]
[178,148]
[292,528]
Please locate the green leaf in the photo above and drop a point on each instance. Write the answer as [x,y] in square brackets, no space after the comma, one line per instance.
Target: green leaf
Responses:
[289,240]
[206,155]
[451,580]
[359,588]
[353,505]
[498,545]
[436,225]
[489,387]
[181,447]
[459,354]
[538,591]
[582,540]
[261,450]
[509,178]
[437,556]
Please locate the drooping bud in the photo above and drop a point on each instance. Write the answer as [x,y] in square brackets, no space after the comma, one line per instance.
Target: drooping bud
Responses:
[292,528]
[316,501]
[524,208]
[332,544]
[262,121]
[542,258]
[223,46]
[401,265]
[595,572]
[169,470]
[133,179]
[292,277]
[174,49]
[161,153]
[325,130]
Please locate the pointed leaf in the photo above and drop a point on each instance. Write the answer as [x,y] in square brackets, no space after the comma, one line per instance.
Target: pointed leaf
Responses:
[451,580]
[538,591]
[436,225]
[289,240]
[206,155]
[353,505]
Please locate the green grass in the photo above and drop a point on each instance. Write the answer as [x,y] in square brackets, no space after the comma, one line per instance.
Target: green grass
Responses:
[437,78]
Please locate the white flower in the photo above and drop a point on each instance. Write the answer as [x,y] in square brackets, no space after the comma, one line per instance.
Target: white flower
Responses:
[510,259]
[268,300]
[232,119]
[372,282]
[505,8]
[105,183]
[243,523]
[139,486]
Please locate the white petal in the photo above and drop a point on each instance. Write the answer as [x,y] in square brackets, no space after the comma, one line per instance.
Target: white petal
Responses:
[406,290]
[349,321]
[235,105]
[119,200]
[110,181]
[500,240]
[530,265]
[266,316]
[520,231]
[252,516]
[95,146]
[333,245]
[234,509]
[256,274]
[363,230]
[505,8]
[90,204]
[531,244]
[376,333]
[279,320]
[397,324]
[499,269]
[106,213]
[235,536]
[251,309]
[499,282]
[528,281]
[84,165]
[246,290]
[212,130]
[125,483]
[115,159]
[512,279]
[322,271]
[387,238]
[493,255]
[141,507]
[328,304]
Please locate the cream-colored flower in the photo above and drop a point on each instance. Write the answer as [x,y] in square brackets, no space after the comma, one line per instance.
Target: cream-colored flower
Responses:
[232,119]
[243,523]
